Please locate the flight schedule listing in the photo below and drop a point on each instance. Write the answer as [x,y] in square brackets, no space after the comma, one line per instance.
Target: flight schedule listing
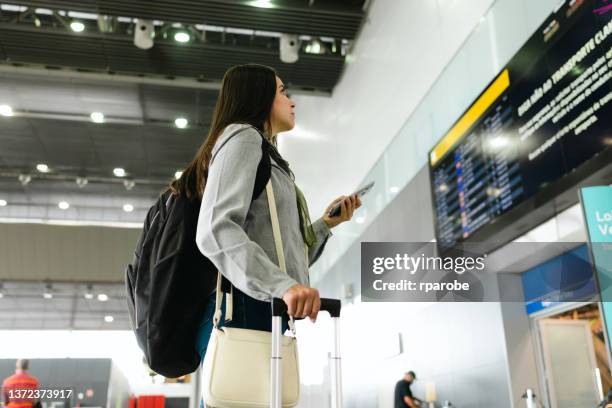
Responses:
[479,179]
[544,115]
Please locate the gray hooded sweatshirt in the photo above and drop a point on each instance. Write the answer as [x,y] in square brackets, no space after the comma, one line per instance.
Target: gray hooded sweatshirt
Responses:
[236,234]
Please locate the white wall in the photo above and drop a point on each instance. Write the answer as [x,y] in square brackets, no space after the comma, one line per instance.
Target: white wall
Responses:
[403,47]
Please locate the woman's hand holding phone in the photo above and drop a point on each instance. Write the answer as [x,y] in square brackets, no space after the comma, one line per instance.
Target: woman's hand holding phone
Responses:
[348,204]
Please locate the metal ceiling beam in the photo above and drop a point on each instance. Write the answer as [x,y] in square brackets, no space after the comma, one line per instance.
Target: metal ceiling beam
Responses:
[72,74]
[204,62]
[5,173]
[324,18]
[178,82]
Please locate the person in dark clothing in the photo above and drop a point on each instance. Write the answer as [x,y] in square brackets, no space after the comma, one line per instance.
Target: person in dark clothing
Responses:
[403,394]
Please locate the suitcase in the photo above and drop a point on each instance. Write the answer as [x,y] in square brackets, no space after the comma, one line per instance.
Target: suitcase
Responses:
[332,306]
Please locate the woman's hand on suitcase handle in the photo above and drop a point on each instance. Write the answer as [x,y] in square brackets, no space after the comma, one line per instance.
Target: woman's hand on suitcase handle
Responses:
[302,301]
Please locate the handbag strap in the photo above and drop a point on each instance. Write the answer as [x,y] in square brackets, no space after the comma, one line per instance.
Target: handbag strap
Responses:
[276,227]
[279,252]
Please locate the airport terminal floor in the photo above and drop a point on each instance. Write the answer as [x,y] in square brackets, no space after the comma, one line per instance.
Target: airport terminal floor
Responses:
[306,203]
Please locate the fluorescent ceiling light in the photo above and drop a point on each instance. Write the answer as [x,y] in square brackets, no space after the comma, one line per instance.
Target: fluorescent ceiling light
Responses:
[43,168]
[77,26]
[181,123]
[182,37]
[6,110]
[262,4]
[97,117]
[63,205]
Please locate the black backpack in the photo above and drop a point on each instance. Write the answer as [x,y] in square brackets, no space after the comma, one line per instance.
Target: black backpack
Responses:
[169,281]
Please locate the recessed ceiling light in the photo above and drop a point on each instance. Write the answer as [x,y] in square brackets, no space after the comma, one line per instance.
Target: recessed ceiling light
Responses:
[6,110]
[97,117]
[109,319]
[3,203]
[48,293]
[1,295]
[24,179]
[181,37]
[178,175]
[262,4]
[77,26]
[119,172]
[63,205]
[359,220]
[129,184]
[102,297]
[43,168]
[89,292]
[180,123]
[316,47]
[394,189]
[128,207]
[81,182]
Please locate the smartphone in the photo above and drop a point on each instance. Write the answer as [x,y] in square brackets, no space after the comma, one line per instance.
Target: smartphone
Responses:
[334,212]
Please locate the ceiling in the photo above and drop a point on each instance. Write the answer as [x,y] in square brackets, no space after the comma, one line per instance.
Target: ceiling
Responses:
[23,307]
[54,128]
[331,18]
[224,33]
[54,78]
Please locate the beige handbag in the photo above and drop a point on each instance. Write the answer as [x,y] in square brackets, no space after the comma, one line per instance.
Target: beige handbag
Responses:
[236,370]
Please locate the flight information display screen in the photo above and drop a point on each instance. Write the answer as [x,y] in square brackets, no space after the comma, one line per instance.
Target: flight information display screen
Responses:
[546,114]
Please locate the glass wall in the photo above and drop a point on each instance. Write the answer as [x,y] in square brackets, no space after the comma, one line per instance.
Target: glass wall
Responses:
[497,37]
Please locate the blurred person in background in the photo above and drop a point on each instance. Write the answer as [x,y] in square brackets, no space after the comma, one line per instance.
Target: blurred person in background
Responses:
[18,390]
[403,394]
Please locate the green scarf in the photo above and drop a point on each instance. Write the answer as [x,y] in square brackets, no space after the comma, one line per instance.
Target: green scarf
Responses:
[308,233]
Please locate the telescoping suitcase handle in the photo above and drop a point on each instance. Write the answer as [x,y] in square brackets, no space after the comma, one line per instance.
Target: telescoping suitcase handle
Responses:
[332,306]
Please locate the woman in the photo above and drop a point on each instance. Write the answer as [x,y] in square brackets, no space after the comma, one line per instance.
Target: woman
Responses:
[234,229]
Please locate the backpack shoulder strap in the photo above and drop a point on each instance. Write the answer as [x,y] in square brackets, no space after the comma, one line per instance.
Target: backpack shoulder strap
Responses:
[264,168]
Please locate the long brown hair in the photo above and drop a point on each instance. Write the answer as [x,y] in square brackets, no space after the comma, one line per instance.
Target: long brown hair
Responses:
[246,96]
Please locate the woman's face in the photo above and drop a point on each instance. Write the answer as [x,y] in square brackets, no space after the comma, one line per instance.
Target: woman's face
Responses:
[282,117]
